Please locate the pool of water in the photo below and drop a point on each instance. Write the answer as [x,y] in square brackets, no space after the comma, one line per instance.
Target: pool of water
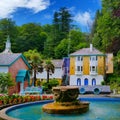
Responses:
[99,109]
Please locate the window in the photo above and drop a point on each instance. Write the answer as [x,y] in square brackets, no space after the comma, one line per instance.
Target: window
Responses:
[93,68]
[78,81]
[86,81]
[80,68]
[93,58]
[93,81]
[80,58]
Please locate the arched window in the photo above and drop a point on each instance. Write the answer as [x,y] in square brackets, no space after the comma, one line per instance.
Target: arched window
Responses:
[86,81]
[93,81]
[78,81]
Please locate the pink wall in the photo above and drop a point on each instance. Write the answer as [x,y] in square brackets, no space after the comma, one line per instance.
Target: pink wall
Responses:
[13,70]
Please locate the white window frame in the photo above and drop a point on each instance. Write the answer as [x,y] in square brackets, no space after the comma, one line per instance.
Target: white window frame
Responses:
[79,68]
[93,69]
[93,58]
[79,58]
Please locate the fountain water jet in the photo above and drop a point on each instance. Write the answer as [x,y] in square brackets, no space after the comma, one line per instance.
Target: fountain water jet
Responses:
[66,101]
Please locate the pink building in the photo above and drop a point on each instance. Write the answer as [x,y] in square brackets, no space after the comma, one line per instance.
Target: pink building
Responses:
[17,66]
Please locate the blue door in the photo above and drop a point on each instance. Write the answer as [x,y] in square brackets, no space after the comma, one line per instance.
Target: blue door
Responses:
[78,81]
[86,81]
[93,81]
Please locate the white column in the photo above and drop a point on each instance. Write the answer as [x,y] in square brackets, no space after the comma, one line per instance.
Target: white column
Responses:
[22,88]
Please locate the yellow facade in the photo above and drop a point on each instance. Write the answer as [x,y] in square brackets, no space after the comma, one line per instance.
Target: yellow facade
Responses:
[109,63]
[86,65]
[101,65]
[72,65]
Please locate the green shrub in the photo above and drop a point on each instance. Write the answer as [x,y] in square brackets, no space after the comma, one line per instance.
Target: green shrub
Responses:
[103,83]
[48,86]
[5,82]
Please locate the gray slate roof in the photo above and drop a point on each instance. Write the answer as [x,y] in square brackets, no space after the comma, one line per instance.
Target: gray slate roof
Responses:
[8,58]
[86,51]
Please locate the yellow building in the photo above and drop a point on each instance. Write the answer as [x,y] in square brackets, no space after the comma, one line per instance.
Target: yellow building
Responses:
[88,66]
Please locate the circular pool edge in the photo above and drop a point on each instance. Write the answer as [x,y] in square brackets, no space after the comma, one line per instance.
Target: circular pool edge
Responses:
[4,116]
[3,112]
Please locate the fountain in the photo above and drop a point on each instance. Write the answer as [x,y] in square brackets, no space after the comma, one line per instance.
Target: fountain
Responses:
[33,110]
[66,101]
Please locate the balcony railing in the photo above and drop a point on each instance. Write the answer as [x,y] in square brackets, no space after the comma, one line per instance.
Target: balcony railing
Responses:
[78,72]
[93,73]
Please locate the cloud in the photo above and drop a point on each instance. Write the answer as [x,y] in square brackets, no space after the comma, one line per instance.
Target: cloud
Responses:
[8,7]
[84,19]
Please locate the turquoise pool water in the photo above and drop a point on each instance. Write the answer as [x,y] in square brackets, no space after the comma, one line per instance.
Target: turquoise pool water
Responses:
[100,109]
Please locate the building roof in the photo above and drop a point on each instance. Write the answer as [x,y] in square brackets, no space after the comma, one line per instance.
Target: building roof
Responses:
[58,62]
[87,52]
[7,59]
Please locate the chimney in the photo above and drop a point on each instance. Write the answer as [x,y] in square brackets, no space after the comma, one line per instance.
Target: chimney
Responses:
[91,47]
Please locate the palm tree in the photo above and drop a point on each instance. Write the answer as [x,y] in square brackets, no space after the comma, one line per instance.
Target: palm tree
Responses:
[49,67]
[35,60]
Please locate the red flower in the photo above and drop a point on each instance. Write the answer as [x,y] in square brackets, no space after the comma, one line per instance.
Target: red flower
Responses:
[44,97]
[51,97]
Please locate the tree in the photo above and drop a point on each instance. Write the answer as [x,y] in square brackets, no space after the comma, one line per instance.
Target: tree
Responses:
[94,25]
[117,64]
[62,24]
[62,49]
[77,39]
[35,60]
[49,67]
[31,36]
[56,28]
[43,39]
[65,20]
[74,41]
[49,47]
[5,81]
[8,27]
[108,26]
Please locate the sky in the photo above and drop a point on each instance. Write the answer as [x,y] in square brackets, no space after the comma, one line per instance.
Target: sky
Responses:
[42,11]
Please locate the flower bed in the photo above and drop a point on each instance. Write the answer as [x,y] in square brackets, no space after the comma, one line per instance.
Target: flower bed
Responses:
[6,100]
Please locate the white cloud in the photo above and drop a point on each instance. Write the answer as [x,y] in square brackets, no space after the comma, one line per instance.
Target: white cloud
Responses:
[84,19]
[8,7]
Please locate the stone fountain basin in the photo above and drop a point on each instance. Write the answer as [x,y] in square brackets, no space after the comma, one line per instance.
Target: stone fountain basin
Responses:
[66,108]
[66,101]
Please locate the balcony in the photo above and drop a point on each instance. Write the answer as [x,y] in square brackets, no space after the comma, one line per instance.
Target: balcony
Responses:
[78,72]
[93,73]
[93,63]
